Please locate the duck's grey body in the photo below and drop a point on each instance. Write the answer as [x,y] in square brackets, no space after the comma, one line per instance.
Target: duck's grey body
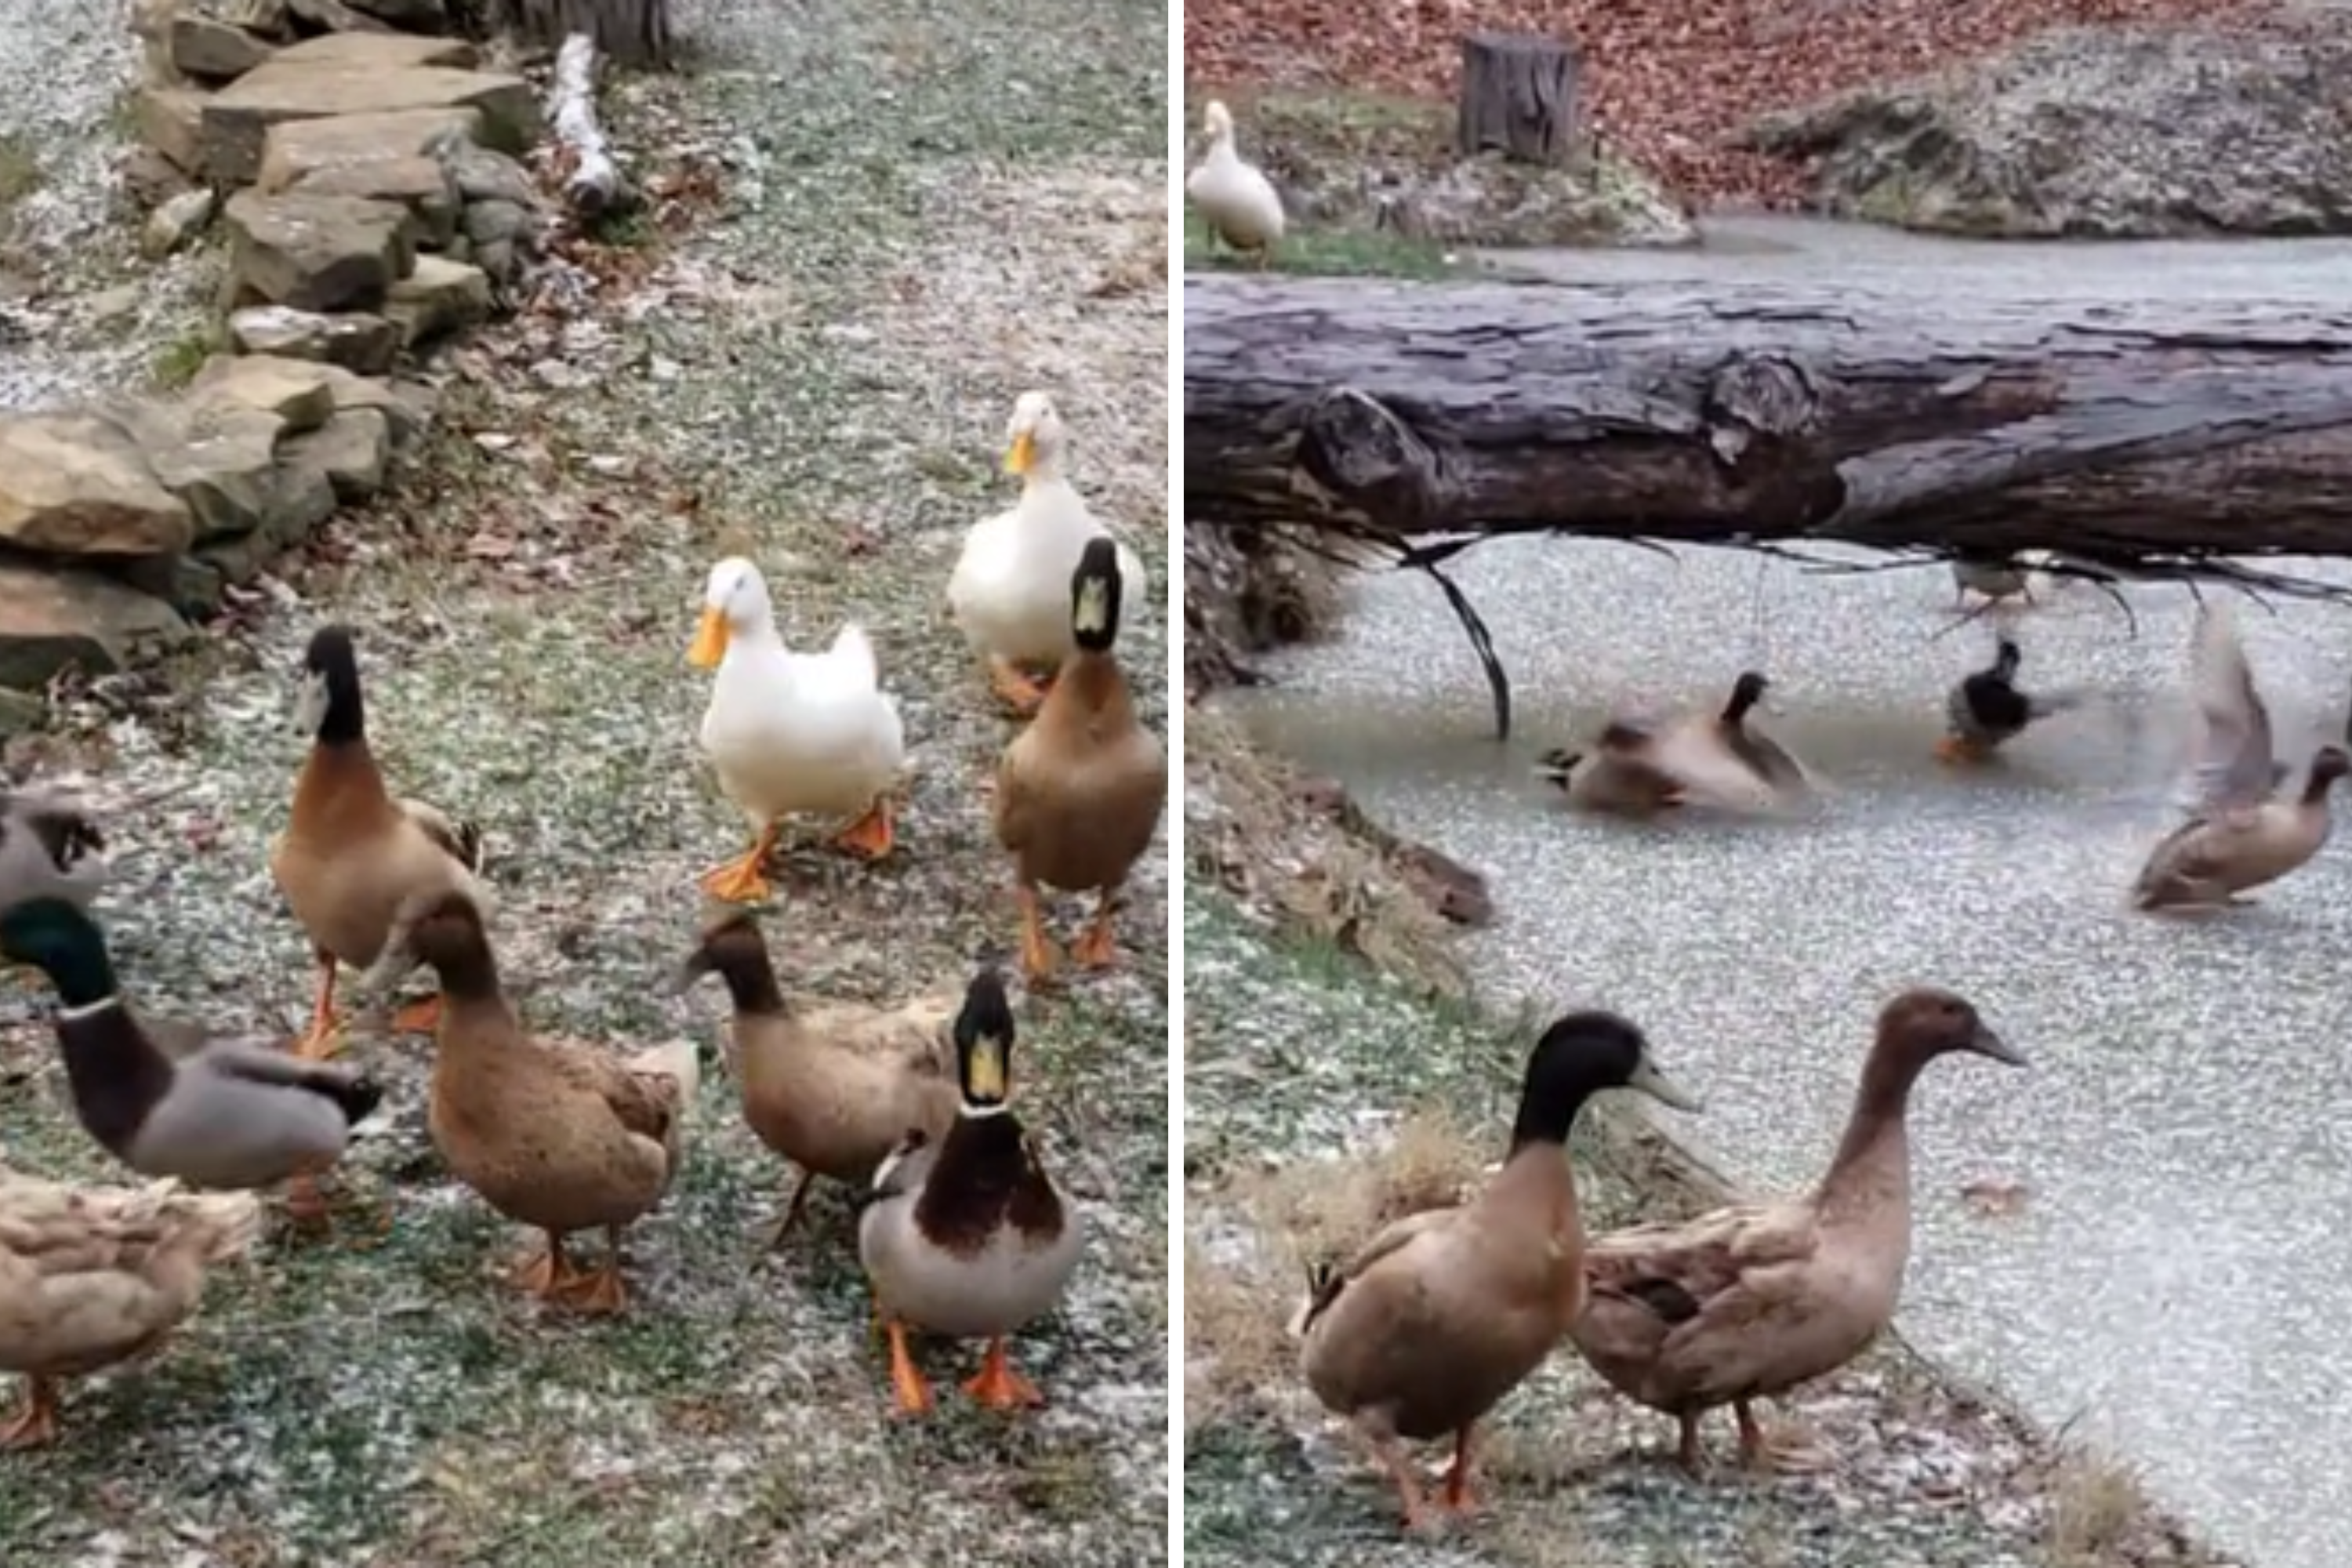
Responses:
[1008,1279]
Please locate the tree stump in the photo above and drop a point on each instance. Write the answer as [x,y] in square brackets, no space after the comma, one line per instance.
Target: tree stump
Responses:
[1518,98]
[633,32]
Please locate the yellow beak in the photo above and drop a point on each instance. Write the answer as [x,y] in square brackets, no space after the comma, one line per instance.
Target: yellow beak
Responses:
[709,640]
[1023,454]
[985,1069]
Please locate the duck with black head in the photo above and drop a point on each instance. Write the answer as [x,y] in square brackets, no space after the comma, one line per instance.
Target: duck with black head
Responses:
[1080,792]
[966,1235]
[1987,708]
[1751,1301]
[1421,1334]
[177,1099]
[352,853]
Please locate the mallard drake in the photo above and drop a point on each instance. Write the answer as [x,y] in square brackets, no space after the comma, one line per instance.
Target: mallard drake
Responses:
[561,1135]
[2215,858]
[965,1235]
[1439,1316]
[1010,591]
[94,1277]
[834,1087]
[170,1100]
[1751,1301]
[352,852]
[1234,196]
[1639,766]
[1985,710]
[1619,776]
[792,732]
[1080,792]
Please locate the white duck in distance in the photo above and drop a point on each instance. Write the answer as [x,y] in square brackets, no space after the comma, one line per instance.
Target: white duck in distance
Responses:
[792,733]
[1239,204]
[1010,591]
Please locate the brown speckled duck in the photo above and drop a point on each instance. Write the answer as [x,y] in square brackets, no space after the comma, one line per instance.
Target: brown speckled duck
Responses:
[172,1099]
[966,1235]
[352,853]
[1439,1316]
[833,1087]
[561,1135]
[1751,1301]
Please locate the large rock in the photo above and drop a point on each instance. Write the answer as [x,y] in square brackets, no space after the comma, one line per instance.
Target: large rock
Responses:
[381,51]
[2096,132]
[421,184]
[238,119]
[300,148]
[300,394]
[352,451]
[316,252]
[50,619]
[356,340]
[220,459]
[77,483]
[440,297]
[213,51]
[170,119]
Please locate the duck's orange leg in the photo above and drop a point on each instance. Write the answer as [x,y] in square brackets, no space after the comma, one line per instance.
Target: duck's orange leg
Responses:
[1021,692]
[1958,750]
[793,1211]
[1416,1507]
[744,880]
[36,1424]
[998,1386]
[549,1273]
[1097,949]
[1457,1498]
[1036,947]
[322,1040]
[912,1395]
[872,835]
[422,1016]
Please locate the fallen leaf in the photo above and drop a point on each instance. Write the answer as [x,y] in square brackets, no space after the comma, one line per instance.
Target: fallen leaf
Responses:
[1994,1197]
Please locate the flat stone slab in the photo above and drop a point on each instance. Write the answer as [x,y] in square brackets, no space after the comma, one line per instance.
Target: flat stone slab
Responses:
[421,184]
[220,459]
[438,298]
[214,50]
[358,342]
[77,483]
[381,51]
[170,119]
[300,148]
[50,619]
[316,252]
[300,393]
[238,119]
[351,450]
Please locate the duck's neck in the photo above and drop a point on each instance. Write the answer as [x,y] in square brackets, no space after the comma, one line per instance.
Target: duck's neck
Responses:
[1871,1173]
[1221,149]
[469,982]
[1535,1178]
[1045,480]
[2315,791]
[757,634]
[116,1073]
[340,776]
[1088,690]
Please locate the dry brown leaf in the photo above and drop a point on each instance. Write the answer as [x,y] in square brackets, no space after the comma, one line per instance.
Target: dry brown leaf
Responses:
[1995,1197]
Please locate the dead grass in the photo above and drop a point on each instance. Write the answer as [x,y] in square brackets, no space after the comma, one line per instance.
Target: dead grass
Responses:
[20,172]
[1253,832]
[2099,1512]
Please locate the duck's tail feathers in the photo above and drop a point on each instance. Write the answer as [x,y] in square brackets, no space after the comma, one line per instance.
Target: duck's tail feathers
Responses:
[1323,1283]
[461,837]
[681,1060]
[1558,766]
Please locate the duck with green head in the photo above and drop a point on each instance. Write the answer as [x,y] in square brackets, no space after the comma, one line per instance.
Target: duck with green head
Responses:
[966,1235]
[174,1099]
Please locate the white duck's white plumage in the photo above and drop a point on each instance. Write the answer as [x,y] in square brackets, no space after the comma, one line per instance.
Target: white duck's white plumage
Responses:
[1232,194]
[1010,591]
[792,733]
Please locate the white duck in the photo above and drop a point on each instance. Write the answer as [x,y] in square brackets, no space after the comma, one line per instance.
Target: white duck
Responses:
[1010,591]
[1234,195]
[788,733]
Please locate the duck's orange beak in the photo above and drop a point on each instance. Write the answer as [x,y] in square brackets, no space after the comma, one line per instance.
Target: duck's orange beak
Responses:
[1023,455]
[709,640]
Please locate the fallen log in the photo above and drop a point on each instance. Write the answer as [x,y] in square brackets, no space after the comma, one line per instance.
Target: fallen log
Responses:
[2138,439]
[594,187]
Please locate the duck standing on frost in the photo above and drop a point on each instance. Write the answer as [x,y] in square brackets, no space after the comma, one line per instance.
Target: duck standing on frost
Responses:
[1234,195]
[792,733]
[1011,588]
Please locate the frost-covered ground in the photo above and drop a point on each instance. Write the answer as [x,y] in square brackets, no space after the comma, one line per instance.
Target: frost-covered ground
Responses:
[921,213]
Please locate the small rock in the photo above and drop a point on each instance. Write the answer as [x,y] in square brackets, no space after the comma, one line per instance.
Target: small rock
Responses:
[561,374]
[53,619]
[499,260]
[220,459]
[172,121]
[176,222]
[440,297]
[115,306]
[150,178]
[491,221]
[484,175]
[300,393]
[363,343]
[316,252]
[351,450]
[77,483]
[213,51]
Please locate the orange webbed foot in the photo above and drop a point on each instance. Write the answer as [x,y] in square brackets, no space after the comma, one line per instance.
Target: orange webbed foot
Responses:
[1022,692]
[872,836]
[910,1394]
[998,1386]
[422,1016]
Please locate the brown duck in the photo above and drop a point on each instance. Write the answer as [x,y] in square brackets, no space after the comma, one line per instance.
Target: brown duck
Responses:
[1442,1313]
[1752,1300]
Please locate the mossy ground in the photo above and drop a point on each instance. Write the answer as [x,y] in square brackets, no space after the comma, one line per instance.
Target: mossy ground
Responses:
[811,366]
[1326,1094]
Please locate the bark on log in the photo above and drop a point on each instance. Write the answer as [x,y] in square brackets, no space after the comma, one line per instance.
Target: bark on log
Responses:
[1518,98]
[594,185]
[633,32]
[2118,431]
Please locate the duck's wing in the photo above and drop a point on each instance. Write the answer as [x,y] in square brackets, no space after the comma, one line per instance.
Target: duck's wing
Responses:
[2233,762]
[853,650]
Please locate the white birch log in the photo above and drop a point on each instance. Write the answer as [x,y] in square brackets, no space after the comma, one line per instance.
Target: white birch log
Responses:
[595,184]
